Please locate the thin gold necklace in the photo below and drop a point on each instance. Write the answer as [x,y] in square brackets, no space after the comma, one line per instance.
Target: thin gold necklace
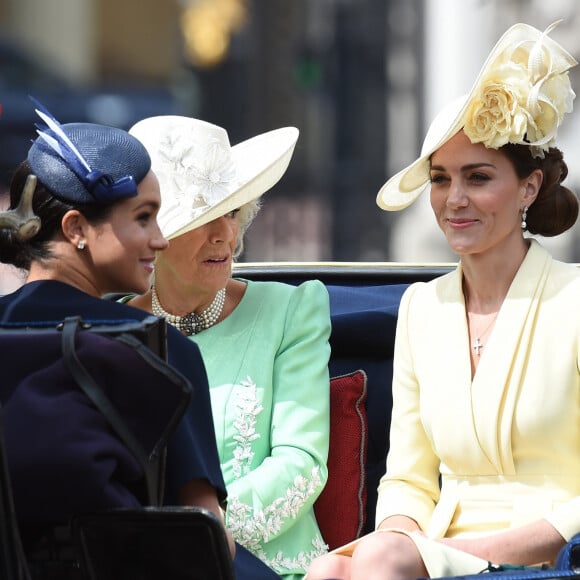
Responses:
[477,344]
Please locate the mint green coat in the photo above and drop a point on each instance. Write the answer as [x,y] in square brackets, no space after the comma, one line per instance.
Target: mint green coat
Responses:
[267,365]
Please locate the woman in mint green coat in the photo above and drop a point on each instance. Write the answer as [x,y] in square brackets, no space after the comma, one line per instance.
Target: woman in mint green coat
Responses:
[264,344]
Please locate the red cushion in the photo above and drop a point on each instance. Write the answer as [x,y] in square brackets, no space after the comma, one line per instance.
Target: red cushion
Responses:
[341,507]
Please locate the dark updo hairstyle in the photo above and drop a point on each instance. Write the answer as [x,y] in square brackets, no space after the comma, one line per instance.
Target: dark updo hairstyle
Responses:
[21,253]
[555,209]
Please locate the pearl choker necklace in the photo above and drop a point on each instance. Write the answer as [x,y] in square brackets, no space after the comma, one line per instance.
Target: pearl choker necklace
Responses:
[191,323]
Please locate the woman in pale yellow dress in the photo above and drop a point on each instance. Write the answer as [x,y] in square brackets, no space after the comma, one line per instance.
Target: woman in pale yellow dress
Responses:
[485,435]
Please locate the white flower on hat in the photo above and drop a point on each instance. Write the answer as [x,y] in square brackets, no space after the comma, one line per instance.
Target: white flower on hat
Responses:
[198,180]
[214,176]
[201,176]
[522,99]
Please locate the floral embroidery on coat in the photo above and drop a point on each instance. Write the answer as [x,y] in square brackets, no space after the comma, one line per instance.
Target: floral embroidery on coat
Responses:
[281,564]
[248,408]
[253,527]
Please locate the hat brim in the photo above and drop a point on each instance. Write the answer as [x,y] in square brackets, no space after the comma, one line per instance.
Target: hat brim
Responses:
[266,157]
[407,185]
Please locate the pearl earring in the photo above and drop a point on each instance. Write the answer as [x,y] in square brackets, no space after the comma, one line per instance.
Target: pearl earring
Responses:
[524,216]
[81,245]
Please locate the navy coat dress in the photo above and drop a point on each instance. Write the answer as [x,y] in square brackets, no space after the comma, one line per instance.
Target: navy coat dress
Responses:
[60,474]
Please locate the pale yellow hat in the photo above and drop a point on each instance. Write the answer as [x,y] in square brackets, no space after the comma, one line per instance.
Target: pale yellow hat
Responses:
[520,96]
[201,176]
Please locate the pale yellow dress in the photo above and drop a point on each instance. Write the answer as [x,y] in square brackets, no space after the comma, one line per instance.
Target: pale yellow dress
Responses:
[507,444]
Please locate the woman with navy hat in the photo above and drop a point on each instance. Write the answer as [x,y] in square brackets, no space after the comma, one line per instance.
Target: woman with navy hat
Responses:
[82,222]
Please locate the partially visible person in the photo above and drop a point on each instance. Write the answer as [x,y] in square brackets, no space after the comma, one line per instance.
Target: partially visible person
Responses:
[82,223]
[11,278]
[264,344]
[485,436]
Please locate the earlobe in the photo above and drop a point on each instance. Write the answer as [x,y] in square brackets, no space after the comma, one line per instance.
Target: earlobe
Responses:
[531,187]
[73,227]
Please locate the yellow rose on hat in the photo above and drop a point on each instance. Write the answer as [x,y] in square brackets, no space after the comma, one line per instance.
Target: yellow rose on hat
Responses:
[522,99]
[495,117]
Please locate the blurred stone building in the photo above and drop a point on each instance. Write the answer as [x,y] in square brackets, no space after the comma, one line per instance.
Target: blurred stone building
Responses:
[361,79]
[458,38]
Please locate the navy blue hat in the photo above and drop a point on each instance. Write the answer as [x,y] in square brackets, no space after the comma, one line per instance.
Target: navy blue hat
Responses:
[86,162]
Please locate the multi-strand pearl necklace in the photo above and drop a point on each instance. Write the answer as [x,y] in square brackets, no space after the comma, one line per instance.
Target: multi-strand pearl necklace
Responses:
[193,322]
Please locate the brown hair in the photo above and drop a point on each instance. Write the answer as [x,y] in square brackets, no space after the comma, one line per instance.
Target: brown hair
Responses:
[555,210]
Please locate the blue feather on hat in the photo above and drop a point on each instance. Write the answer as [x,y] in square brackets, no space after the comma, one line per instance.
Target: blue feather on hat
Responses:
[101,185]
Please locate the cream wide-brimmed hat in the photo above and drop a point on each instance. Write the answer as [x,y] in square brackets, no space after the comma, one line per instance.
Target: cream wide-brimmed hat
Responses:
[520,96]
[201,176]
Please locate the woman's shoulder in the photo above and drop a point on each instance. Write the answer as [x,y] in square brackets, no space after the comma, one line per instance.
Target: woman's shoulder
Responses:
[422,299]
[443,284]
[280,300]
[566,271]
[565,284]
[277,290]
[44,300]
[563,278]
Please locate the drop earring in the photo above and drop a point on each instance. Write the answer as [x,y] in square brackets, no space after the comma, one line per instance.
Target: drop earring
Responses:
[524,216]
[81,245]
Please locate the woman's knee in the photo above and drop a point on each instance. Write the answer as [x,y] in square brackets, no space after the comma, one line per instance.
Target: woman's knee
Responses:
[375,548]
[394,554]
[329,567]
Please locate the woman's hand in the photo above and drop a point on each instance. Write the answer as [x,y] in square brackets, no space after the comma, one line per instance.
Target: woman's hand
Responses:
[528,545]
[401,522]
